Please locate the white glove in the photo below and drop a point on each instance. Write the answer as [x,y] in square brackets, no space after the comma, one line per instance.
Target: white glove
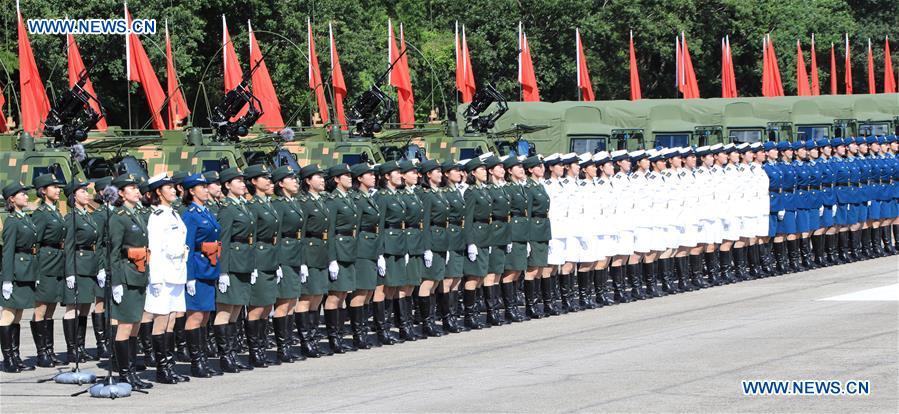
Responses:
[254,276]
[833,209]
[821,211]
[406,257]
[489,249]
[781,214]
[70,282]
[304,273]
[191,287]
[869,203]
[101,278]
[156,289]
[7,290]
[447,257]
[333,270]
[429,258]
[117,292]
[279,274]
[382,266]
[529,249]
[224,282]
[472,253]
[509,248]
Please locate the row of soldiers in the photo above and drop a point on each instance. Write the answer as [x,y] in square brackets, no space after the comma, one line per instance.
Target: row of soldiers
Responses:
[220,263]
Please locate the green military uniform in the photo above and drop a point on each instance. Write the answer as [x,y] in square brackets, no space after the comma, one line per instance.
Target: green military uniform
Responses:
[238,258]
[413,234]
[476,227]
[82,257]
[265,249]
[435,234]
[212,204]
[367,251]
[101,217]
[392,241]
[51,231]
[315,237]
[540,233]
[128,229]
[500,234]
[519,223]
[455,237]
[290,249]
[20,264]
[343,223]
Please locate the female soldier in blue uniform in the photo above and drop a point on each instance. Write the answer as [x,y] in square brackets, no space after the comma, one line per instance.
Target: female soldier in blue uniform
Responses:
[315,251]
[51,232]
[19,274]
[204,253]
[290,257]
[343,223]
[369,264]
[477,237]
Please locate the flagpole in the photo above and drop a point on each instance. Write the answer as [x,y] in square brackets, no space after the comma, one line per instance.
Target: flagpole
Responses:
[577,63]
[520,51]
[128,64]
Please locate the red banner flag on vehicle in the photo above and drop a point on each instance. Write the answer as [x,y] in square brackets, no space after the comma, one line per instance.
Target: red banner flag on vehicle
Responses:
[34,103]
[636,94]
[141,71]
[527,78]
[689,87]
[464,76]
[802,88]
[583,76]
[833,71]
[400,77]
[816,86]
[263,88]
[469,71]
[3,127]
[872,88]
[315,75]
[337,82]
[728,80]
[178,110]
[231,66]
[772,71]
[847,63]
[889,77]
[76,67]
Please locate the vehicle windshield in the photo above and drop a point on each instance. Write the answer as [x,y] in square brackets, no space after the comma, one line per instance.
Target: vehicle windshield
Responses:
[813,132]
[672,140]
[745,135]
[876,129]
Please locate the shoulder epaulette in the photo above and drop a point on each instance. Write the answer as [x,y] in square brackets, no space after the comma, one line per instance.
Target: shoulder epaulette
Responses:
[157,212]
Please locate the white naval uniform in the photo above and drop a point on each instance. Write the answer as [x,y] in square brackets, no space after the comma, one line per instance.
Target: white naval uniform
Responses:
[690,207]
[573,219]
[645,237]
[167,235]
[606,224]
[558,216]
[709,231]
[623,206]
[584,209]
[762,205]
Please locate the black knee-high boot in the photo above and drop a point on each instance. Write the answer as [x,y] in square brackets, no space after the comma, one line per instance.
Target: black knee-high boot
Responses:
[697,269]
[9,359]
[619,281]
[472,319]
[602,287]
[649,279]
[712,268]
[549,303]
[635,277]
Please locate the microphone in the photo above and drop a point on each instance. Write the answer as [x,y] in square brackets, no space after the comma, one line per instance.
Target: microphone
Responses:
[287,134]
[110,194]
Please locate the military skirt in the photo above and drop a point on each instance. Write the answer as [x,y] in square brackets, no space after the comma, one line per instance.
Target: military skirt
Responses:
[455,264]
[366,274]
[497,261]
[346,278]
[539,254]
[289,288]
[88,290]
[131,309]
[265,290]
[437,271]
[478,267]
[415,270]
[50,289]
[203,300]
[317,283]
[517,260]
[22,296]
[238,293]
[396,271]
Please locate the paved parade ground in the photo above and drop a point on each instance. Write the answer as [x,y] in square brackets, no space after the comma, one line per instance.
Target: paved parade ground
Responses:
[686,353]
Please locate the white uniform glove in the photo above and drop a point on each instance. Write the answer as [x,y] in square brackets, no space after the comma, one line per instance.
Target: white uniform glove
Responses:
[529,249]
[156,289]
[101,278]
[333,270]
[304,273]
[447,257]
[279,274]
[489,249]
[472,252]
[406,257]
[7,290]
[191,287]
[224,282]
[382,266]
[117,292]
[869,203]
[509,248]
[70,282]
[429,258]
[781,214]
[254,276]
[821,211]
[833,210]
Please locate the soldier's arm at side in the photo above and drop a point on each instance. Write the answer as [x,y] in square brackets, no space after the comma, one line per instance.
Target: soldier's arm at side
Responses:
[69,244]
[9,249]
[226,220]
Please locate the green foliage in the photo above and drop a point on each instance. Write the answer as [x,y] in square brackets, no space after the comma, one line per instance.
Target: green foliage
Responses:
[360,29]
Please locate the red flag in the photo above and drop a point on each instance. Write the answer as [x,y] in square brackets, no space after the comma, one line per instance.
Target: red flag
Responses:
[816,86]
[889,80]
[3,127]
[526,75]
[76,67]
[263,87]
[315,75]
[337,82]
[464,75]
[583,77]
[470,85]
[848,65]
[872,88]
[802,88]
[775,86]
[141,71]
[636,94]
[766,73]
[399,77]
[178,110]
[34,105]
[690,87]
[728,82]
[730,69]
[833,71]
[231,66]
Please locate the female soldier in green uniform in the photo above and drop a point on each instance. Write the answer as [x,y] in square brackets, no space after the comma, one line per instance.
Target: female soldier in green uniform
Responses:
[455,246]
[416,252]
[129,255]
[477,237]
[501,239]
[290,257]
[19,274]
[51,231]
[519,231]
[538,235]
[435,236]
[392,245]
[235,266]
[315,250]
[101,217]
[266,274]
[343,222]
[369,263]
